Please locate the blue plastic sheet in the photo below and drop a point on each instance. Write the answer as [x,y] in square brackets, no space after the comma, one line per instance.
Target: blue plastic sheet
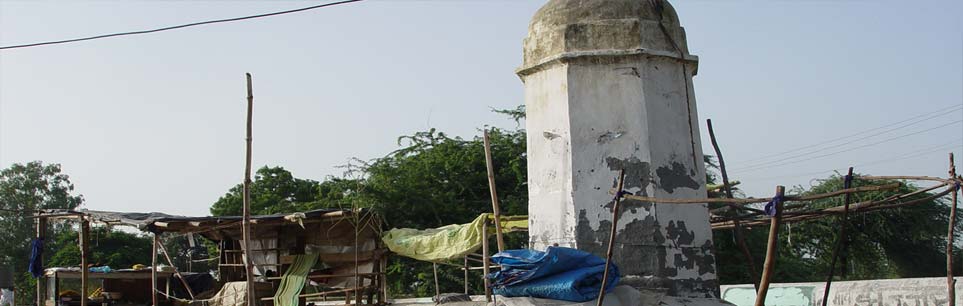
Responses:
[558,273]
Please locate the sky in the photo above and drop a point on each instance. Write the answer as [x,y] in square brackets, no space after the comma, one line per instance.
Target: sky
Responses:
[155,122]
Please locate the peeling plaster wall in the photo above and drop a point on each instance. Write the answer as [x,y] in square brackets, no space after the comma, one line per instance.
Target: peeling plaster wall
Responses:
[590,117]
[605,90]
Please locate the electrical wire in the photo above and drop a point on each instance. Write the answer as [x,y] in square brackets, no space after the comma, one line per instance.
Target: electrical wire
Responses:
[917,153]
[850,142]
[177,26]
[751,169]
[915,120]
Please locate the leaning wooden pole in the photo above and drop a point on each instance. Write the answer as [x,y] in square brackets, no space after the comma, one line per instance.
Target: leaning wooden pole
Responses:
[843,222]
[167,256]
[950,282]
[615,223]
[737,230]
[770,263]
[246,219]
[491,187]
[84,259]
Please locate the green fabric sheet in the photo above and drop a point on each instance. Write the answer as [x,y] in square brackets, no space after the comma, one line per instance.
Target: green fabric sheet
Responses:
[447,242]
[292,282]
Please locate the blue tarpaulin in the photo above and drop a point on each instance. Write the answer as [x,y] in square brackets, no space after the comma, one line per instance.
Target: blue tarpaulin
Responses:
[558,273]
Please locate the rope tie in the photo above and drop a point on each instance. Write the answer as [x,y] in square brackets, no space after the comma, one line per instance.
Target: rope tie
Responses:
[620,194]
[771,206]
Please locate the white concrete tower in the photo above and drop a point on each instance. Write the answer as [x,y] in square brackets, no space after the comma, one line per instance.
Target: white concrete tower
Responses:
[608,86]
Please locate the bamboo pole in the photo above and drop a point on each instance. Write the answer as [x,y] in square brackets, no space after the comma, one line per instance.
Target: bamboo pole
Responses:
[905,177]
[153,270]
[84,259]
[491,187]
[466,274]
[844,220]
[176,272]
[788,198]
[41,232]
[485,263]
[737,230]
[861,206]
[771,246]
[950,282]
[615,223]
[246,219]
[856,207]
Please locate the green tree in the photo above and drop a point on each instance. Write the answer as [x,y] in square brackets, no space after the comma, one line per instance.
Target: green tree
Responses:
[25,188]
[902,242]
[273,190]
[437,180]
[117,249]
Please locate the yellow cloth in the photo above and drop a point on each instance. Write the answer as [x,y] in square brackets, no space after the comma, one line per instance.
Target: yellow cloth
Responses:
[446,242]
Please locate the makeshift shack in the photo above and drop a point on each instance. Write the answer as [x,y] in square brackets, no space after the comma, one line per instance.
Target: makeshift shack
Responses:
[313,255]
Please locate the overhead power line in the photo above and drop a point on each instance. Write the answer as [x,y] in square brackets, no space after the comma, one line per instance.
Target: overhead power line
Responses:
[929,150]
[848,142]
[178,26]
[888,128]
[751,169]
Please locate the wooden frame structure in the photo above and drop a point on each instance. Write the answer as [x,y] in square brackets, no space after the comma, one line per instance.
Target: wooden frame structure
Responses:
[346,241]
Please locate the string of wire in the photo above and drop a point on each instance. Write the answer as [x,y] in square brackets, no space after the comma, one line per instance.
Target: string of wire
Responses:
[177,26]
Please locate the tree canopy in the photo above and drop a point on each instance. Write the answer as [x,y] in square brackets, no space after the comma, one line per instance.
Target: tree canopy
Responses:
[25,188]
[114,248]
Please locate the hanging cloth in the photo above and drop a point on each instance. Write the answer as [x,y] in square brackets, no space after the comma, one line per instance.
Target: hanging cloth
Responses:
[446,242]
[36,253]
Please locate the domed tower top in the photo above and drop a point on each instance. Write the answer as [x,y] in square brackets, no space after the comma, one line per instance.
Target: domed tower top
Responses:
[571,28]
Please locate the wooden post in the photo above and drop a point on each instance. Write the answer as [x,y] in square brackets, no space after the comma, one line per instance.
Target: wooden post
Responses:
[466,274]
[491,187]
[950,282]
[770,263]
[153,270]
[41,232]
[843,222]
[84,254]
[737,230]
[615,223]
[246,219]
[485,259]
[434,269]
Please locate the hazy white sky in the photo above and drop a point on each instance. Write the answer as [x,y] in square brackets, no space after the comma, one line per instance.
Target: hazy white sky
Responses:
[156,122]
